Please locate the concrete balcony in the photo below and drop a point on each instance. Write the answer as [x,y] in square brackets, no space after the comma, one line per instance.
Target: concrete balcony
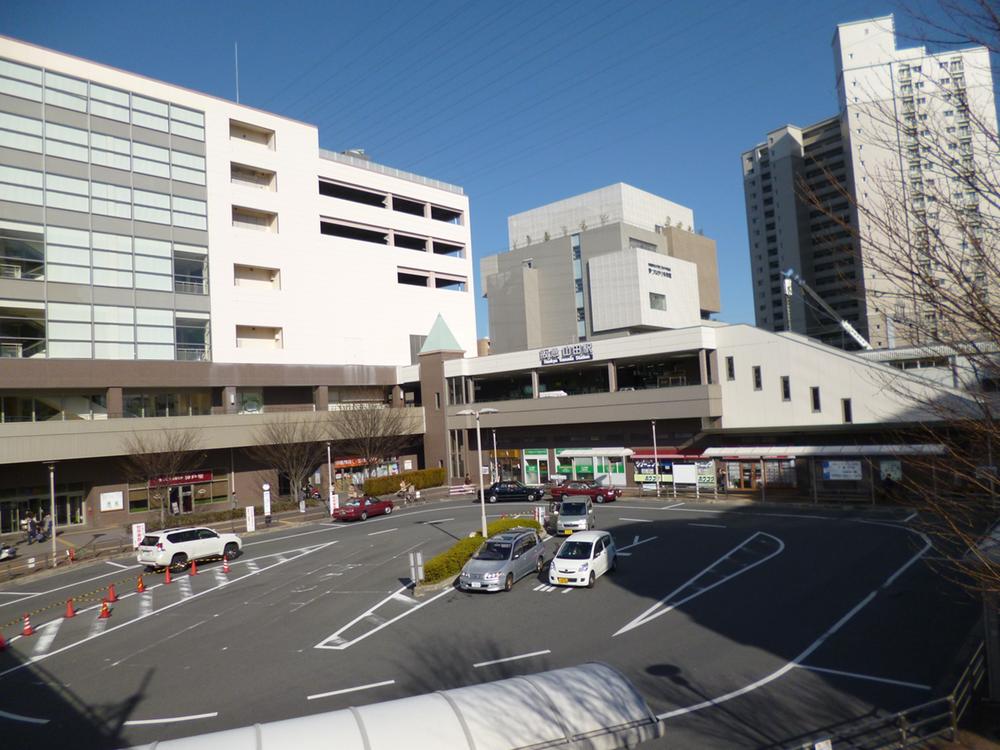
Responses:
[22,442]
[679,402]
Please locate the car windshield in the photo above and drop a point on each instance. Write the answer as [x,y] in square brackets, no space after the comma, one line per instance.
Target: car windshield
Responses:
[149,541]
[353,503]
[575,550]
[573,509]
[494,551]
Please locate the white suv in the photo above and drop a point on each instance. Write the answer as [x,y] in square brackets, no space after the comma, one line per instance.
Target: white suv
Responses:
[176,547]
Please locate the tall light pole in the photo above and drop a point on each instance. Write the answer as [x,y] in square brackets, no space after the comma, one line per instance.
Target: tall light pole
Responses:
[329,476]
[52,507]
[496,461]
[656,460]
[479,446]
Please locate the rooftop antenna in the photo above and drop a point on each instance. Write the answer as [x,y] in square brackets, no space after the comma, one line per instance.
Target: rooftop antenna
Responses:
[236,54]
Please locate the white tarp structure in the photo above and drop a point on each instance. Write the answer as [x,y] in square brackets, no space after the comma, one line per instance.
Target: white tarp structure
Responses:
[588,707]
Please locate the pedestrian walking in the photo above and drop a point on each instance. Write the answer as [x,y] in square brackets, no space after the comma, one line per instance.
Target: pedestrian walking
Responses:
[32,528]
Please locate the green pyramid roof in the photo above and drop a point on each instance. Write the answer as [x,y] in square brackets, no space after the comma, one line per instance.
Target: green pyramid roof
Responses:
[440,338]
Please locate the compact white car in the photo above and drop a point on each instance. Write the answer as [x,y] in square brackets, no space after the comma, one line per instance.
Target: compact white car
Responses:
[177,547]
[583,558]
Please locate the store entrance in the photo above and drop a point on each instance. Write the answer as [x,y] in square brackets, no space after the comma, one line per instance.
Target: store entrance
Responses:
[181,498]
[743,475]
[14,512]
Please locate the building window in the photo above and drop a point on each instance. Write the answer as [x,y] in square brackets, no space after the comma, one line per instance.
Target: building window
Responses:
[730,368]
[657,301]
[757,380]
[845,404]
[786,388]
[437,400]
[814,393]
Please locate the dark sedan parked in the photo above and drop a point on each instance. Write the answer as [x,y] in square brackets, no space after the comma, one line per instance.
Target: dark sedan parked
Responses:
[512,491]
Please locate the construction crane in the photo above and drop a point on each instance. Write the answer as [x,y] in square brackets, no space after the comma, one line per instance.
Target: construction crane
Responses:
[790,276]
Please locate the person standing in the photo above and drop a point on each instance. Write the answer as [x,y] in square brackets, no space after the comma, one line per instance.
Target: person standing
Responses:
[45,532]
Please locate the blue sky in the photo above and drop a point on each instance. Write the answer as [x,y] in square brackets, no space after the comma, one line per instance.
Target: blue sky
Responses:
[521,103]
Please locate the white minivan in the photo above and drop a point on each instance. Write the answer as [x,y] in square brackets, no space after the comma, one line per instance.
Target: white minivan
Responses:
[583,558]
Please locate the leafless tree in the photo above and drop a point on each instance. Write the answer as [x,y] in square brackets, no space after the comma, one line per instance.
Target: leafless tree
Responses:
[293,445]
[928,232]
[372,431]
[150,456]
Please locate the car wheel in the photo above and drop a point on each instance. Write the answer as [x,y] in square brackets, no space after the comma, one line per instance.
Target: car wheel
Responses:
[599,498]
[590,581]
[539,564]
[179,560]
[508,583]
[149,569]
[364,516]
[492,498]
[231,551]
[388,509]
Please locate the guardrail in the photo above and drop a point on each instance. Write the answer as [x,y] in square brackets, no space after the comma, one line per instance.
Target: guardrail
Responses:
[915,726]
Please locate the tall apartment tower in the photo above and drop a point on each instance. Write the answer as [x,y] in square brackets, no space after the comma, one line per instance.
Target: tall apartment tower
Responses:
[615,261]
[889,98]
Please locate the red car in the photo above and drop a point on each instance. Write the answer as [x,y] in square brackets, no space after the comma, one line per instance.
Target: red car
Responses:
[360,508]
[599,493]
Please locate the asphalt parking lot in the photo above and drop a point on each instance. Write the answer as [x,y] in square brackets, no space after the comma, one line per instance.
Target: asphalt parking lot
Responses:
[742,627]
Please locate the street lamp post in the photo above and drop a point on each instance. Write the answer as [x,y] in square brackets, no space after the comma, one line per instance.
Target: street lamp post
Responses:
[479,446]
[329,477]
[656,460]
[52,507]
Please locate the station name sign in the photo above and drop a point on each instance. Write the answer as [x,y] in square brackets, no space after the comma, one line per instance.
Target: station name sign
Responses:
[657,270]
[570,353]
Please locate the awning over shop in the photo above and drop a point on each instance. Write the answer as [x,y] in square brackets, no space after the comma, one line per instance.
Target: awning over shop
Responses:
[592,452]
[804,451]
[671,453]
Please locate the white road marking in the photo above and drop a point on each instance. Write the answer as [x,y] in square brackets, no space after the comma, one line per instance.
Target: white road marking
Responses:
[221,577]
[350,690]
[145,603]
[709,525]
[511,658]
[437,520]
[20,593]
[891,579]
[636,544]
[48,635]
[658,609]
[26,719]
[252,567]
[192,717]
[341,644]
[292,536]
[60,588]
[384,531]
[99,627]
[795,662]
[117,565]
[104,629]
[636,520]
[566,591]
[624,554]
[868,677]
[671,507]
[184,584]
[910,517]
[402,598]
[635,539]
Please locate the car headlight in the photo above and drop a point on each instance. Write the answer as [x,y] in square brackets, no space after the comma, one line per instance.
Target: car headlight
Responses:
[584,567]
[491,576]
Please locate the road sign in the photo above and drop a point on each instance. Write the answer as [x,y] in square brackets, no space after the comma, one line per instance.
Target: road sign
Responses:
[251,520]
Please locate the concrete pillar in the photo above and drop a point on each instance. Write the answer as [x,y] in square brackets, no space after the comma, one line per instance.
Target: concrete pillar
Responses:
[534,383]
[321,397]
[229,405]
[470,391]
[116,402]
[612,378]
[702,368]
[397,397]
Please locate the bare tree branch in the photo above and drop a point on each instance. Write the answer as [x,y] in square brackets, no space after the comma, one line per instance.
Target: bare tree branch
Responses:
[373,432]
[153,455]
[291,445]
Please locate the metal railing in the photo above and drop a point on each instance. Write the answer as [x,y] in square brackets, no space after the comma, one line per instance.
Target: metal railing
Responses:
[915,726]
[192,353]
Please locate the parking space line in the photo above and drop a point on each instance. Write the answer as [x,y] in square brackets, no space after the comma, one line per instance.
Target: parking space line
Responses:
[292,536]
[636,543]
[192,717]
[511,658]
[351,690]
[910,517]
[406,599]
[339,644]
[26,719]
[870,678]
[670,507]
[566,591]
[21,593]
[384,531]
[637,520]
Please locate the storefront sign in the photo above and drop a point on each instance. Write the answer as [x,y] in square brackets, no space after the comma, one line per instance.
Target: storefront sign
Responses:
[191,477]
[138,532]
[657,270]
[662,478]
[706,473]
[562,354]
[841,471]
[112,500]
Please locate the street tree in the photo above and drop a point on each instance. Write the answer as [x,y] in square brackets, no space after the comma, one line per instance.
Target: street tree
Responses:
[151,457]
[293,445]
[372,431]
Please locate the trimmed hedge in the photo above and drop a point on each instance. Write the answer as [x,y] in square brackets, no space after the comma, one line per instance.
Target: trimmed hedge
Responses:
[450,562]
[420,479]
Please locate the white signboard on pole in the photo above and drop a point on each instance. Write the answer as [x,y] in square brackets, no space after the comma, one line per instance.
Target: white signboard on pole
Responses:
[267,499]
[251,520]
[334,502]
[138,532]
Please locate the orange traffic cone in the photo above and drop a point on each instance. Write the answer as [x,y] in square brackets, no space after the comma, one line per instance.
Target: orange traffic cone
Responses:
[112,596]
[225,564]
[166,577]
[140,586]
[194,568]
[27,630]
[70,612]
[105,612]
[3,643]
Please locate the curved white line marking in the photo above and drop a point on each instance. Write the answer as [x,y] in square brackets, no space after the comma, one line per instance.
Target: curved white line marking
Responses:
[798,659]
[351,690]
[512,658]
[192,717]
[870,678]
[26,719]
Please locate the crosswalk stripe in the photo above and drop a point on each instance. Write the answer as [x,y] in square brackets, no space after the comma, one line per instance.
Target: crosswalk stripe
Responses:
[98,627]
[48,635]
